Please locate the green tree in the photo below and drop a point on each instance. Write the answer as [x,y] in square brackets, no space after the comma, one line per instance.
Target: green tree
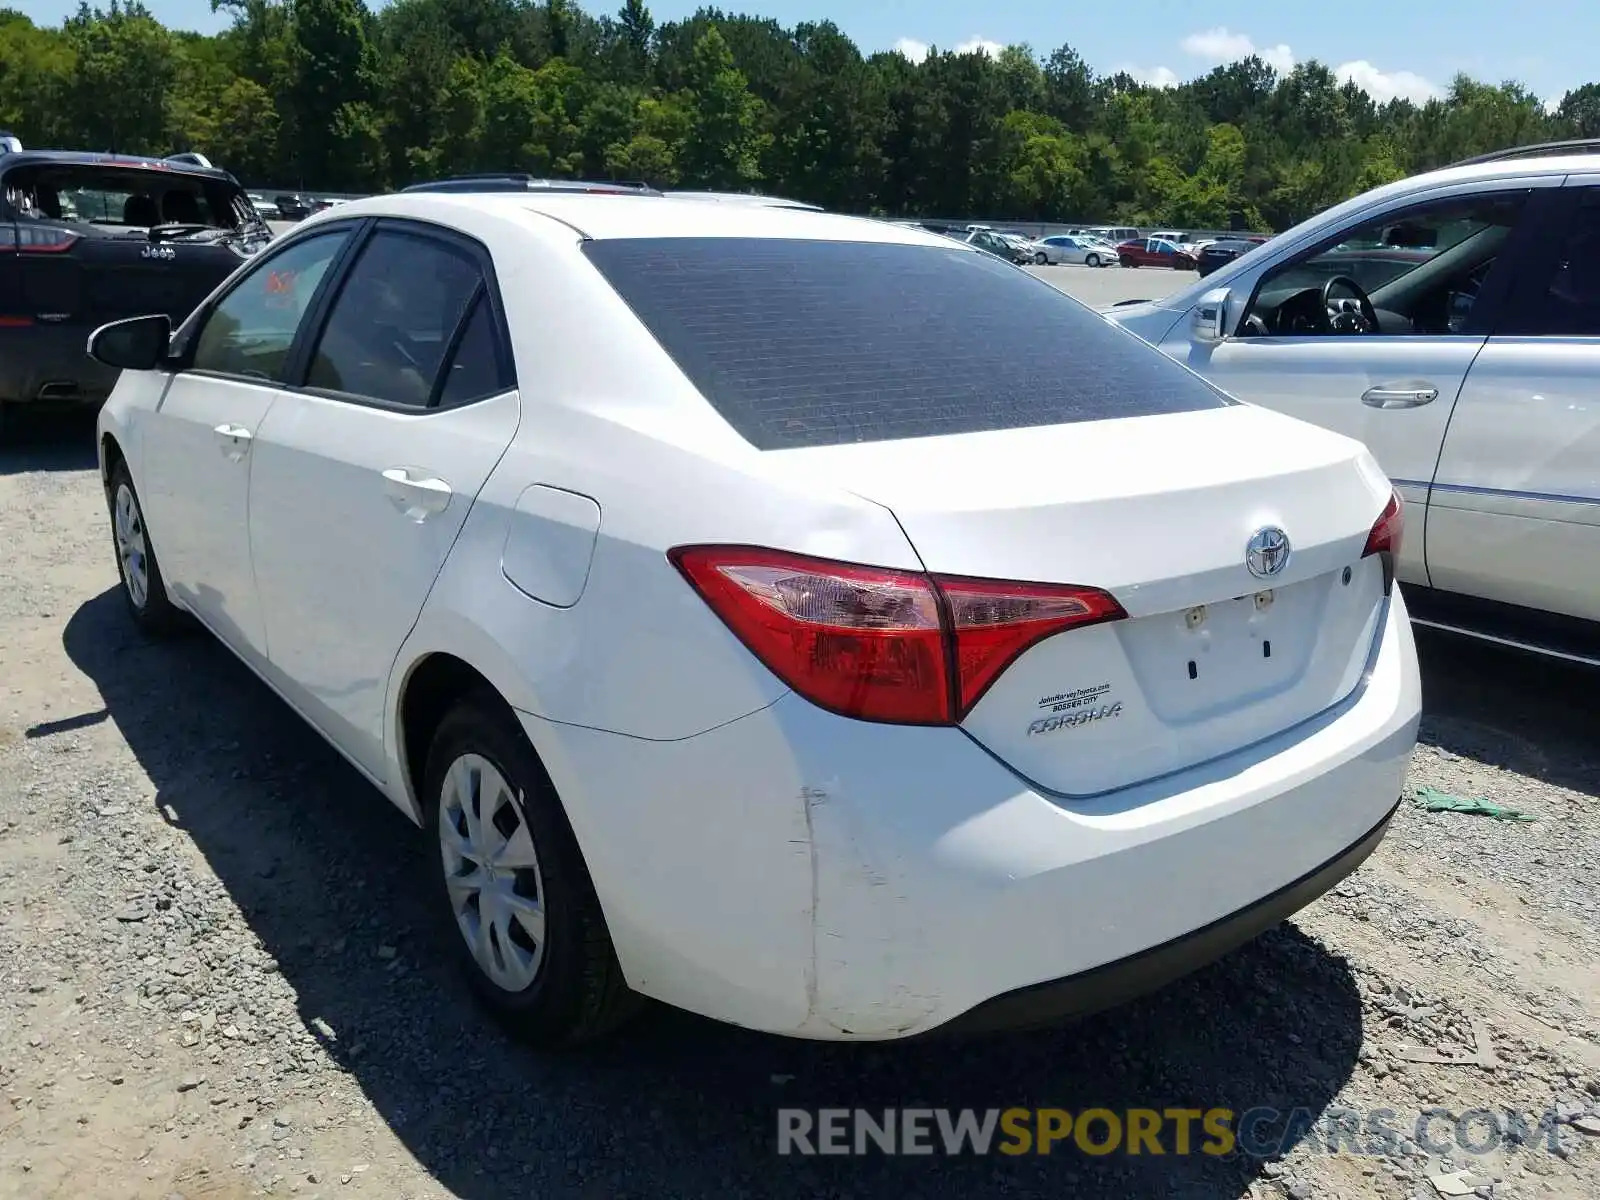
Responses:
[725,139]
[336,131]
[119,93]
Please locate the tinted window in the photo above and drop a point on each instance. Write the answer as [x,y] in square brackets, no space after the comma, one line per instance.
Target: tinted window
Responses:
[392,322]
[475,367]
[809,343]
[251,329]
[1571,303]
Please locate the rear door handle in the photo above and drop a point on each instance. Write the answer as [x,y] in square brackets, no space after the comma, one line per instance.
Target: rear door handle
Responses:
[1400,395]
[416,494]
[234,440]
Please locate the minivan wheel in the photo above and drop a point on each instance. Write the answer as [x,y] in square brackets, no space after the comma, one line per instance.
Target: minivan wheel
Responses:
[511,882]
[142,586]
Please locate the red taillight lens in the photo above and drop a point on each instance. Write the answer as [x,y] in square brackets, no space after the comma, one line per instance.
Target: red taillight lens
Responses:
[876,644]
[44,240]
[995,622]
[1388,529]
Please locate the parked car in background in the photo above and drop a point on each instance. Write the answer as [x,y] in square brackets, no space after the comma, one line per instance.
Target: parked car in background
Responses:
[1023,249]
[1154,252]
[1452,322]
[1013,251]
[1050,634]
[1115,234]
[1083,251]
[293,208]
[1223,250]
[89,238]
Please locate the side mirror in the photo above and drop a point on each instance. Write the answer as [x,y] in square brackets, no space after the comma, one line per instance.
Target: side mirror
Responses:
[136,344]
[1209,322]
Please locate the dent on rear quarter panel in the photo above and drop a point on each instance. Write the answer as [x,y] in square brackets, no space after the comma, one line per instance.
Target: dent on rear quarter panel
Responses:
[864,924]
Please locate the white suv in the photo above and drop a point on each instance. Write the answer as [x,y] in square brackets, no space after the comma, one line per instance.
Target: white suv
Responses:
[1452,322]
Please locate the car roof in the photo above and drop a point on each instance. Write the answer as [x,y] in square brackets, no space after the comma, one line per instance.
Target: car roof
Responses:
[89,158]
[605,217]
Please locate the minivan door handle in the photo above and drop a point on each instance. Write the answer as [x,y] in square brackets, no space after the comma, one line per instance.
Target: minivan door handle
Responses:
[1399,395]
[233,440]
[416,494]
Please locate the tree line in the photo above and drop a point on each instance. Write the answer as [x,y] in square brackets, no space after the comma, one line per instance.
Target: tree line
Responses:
[329,95]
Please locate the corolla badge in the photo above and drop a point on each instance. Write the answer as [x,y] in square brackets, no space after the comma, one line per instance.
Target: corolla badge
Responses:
[1267,552]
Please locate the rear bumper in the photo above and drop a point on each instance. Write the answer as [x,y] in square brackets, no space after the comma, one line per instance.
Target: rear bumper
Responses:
[804,874]
[48,364]
[1110,985]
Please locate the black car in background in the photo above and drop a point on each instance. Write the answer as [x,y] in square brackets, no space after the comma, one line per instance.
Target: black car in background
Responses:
[294,208]
[91,238]
[1222,252]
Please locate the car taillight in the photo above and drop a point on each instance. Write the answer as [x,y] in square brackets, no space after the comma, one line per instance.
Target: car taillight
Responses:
[1388,529]
[877,644]
[44,240]
[994,622]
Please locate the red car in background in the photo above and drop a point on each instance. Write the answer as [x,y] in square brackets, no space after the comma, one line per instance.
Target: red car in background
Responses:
[1155,252]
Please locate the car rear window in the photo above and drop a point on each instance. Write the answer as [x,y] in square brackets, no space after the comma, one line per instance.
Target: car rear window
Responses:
[812,343]
[121,197]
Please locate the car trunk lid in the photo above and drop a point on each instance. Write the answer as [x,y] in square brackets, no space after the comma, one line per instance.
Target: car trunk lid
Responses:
[1158,511]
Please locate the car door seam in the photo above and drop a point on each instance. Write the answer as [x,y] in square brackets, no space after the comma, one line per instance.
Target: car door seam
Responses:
[249,531]
[444,561]
[1444,438]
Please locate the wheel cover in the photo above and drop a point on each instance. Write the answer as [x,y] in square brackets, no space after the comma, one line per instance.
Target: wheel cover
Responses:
[132,552]
[492,872]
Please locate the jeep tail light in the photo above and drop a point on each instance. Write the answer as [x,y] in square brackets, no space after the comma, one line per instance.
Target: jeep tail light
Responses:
[1388,529]
[877,644]
[42,239]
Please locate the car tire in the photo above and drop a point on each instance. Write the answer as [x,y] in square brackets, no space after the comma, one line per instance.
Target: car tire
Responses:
[143,588]
[1092,260]
[1128,262]
[565,987]
[1040,258]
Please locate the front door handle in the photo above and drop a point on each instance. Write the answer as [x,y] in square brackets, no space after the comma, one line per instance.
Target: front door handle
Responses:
[415,493]
[233,440]
[1400,395]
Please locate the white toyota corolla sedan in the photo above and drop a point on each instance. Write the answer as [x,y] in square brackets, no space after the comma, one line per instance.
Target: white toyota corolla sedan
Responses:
[762,610]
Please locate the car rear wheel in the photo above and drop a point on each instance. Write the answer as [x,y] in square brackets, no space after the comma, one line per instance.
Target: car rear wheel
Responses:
[142,586]
[528,929]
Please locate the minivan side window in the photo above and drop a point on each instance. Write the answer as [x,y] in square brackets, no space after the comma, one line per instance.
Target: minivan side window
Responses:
[251,329]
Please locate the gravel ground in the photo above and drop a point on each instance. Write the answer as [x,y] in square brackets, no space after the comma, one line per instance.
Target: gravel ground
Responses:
[214,980]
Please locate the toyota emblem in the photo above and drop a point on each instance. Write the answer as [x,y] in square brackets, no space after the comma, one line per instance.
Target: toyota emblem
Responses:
[1267,552]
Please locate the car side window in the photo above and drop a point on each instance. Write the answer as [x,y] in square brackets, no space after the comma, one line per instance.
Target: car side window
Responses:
[251,329]
[393,321]
[477,367]
[1569,305]
[1417,271]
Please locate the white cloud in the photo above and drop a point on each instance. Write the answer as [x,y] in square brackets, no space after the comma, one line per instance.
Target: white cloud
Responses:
[1160,77]
[1384,86]
[914,50]
[1222,45]
[917,51]
[983,45]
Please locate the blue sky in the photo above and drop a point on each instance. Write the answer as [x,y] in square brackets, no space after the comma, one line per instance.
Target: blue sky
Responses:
[1389,48]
